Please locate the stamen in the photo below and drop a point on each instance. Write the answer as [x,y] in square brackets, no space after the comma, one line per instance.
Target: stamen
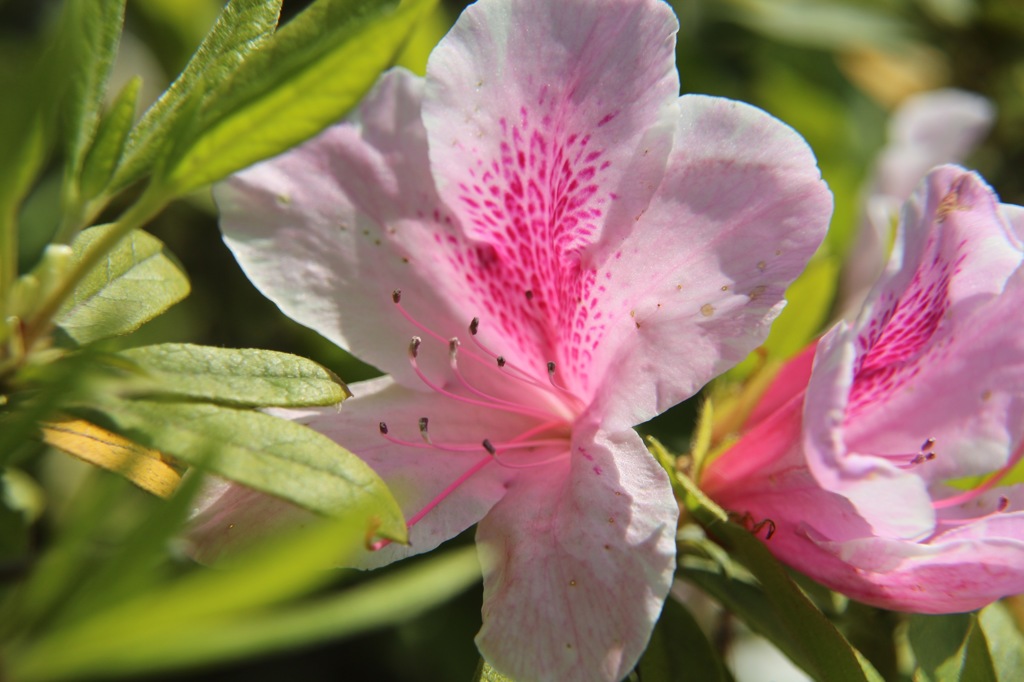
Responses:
[415,518]
[907,461]
[498,403]
[520,374]
[566,392]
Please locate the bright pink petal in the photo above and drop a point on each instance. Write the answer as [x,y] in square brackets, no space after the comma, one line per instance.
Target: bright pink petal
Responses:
[577,564]
[547,122]
[329,229]
[693,286]
[918,338]
[961,570]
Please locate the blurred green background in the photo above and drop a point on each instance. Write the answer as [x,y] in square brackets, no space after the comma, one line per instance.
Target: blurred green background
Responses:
[833,70]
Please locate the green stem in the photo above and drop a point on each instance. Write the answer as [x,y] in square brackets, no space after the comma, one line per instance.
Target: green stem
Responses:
[140,213]
[8,260]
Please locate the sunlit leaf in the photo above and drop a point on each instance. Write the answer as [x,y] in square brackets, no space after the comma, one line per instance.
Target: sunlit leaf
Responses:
[309,75]
[136,281]
[485,673]
[1005,641]
[273,455]
[212,616]
[243,377]
[111,135]
[143,466]
[950,648]
[240,29]
[93,28]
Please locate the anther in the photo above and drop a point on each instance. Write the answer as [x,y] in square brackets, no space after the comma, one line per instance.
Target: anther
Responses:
[501,361]
[551,369]
[474,326]
[453,349]
[424,423]
[529,294]
[383,428]
[396,295]
[489,448]
[1004,503]
[414,346]
[927,445]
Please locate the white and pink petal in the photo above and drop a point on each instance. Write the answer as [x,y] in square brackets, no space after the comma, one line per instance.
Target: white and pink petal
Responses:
[578,563]
[693,284]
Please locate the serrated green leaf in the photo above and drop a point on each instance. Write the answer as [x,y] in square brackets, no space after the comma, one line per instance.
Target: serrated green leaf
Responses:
[240,29]
[950,648]
[308,76]
[93,28]
[276,456]
[680,650]
[111,135]
[137,281]
[241,377]
[1005,641]
[188,623]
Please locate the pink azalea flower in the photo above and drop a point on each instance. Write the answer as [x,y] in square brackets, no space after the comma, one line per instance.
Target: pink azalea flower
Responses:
[863,461]
[543,245]
[927,130]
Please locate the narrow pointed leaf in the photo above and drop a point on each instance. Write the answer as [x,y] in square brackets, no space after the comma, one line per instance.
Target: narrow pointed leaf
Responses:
[950,648]
[110,140]
[273,455]
[309,75]
[93,28]
[137,281]
[800,629]
[164,631]
[241,28]
[1005,641]
[241,377]
[679,650]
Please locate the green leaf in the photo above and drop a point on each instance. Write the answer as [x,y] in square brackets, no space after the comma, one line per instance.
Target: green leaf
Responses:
[94,29]
[110,140]
[241,377]
[308,76]
[949,648]
[137,281]
[273,455]
[485,673]
[777,608]
[210,617]
[240,29]
[680,650]
[1005,641]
